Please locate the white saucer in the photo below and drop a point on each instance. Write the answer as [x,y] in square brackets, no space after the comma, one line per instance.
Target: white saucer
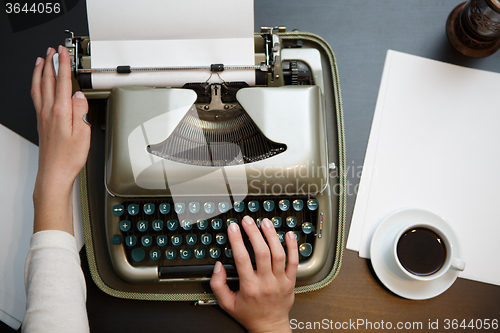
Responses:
[385,266]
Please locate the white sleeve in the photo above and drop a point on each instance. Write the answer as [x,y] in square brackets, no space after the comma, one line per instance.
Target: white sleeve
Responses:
[55,285]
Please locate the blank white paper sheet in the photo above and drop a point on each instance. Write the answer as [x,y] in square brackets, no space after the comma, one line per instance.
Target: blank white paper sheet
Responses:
[434,144]
[18,169]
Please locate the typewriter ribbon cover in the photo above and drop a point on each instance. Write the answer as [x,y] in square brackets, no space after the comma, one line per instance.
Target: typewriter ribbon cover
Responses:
[299,169]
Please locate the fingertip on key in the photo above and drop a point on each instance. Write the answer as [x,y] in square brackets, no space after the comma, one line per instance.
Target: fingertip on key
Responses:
[267,223]
[248,220]
[233,227]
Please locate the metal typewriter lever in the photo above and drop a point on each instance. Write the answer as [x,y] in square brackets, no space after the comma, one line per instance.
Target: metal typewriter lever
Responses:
[216,103]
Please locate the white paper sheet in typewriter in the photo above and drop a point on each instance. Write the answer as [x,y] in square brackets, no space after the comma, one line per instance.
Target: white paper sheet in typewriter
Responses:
[161,33]
[433,145]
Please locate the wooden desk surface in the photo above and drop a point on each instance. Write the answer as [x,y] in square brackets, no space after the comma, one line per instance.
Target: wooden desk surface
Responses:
[360,32]
[357,296]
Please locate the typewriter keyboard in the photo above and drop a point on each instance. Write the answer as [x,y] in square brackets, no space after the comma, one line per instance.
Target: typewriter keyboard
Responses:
[189,236]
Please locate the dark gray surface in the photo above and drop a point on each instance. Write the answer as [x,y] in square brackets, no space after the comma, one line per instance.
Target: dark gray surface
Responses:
[360,33]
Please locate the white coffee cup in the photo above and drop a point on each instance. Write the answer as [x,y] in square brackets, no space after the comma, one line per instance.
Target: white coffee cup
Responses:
[418,250]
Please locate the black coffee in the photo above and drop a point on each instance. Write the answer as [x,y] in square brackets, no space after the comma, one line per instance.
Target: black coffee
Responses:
[421,251]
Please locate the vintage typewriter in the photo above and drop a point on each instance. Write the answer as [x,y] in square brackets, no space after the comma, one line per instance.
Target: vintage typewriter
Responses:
[182,163]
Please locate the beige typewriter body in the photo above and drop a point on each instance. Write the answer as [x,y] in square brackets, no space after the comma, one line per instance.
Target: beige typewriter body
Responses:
[292,115]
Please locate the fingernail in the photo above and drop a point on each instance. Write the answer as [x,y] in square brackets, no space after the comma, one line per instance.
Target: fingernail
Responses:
[233,227]
[79,94]
[59,49]
[267,223]
[291,235]
[38,61]
[48,50]
[217,267]
[248,220]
